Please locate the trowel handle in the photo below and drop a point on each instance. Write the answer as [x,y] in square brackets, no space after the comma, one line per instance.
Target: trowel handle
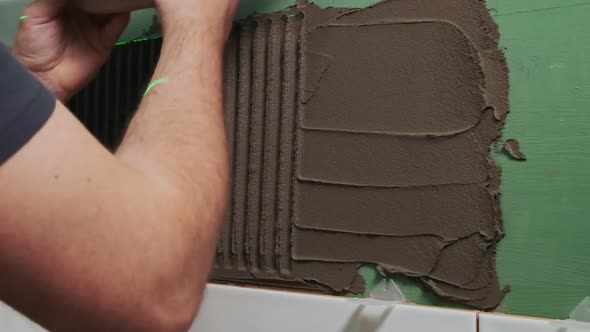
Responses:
[113,6]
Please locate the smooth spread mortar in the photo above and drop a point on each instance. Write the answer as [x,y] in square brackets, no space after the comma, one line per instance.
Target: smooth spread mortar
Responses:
[362,136]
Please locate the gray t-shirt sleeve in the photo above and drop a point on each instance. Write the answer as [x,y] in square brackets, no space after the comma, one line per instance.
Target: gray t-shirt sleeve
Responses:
[25,105]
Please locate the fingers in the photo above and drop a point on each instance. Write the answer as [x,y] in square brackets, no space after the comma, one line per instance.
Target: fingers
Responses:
[113,28]
[45,9]
[113,6]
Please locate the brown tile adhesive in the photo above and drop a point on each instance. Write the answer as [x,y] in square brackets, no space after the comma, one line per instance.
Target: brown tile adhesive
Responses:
[512,147]
[362,136]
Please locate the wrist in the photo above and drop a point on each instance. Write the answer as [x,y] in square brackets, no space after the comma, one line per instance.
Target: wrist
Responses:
[54,87]
[185,35]
[45,74]
[207,20]
[50,83]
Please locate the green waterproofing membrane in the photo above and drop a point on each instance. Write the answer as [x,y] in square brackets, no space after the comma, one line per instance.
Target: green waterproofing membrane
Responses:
[545,256]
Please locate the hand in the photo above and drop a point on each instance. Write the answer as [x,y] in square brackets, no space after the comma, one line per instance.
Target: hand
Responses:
[64,46]
[212,17]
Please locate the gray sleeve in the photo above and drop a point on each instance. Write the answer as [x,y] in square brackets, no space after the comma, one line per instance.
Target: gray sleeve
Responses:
[25,105]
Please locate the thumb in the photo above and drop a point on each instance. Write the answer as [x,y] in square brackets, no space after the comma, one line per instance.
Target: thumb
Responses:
[113,28]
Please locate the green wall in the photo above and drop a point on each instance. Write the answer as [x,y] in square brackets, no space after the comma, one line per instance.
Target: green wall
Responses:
[545,256]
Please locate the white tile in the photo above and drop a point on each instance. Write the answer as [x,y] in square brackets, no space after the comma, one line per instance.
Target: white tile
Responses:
[500,323]
[12,321]
[246,309]
[409,318]
[227,308]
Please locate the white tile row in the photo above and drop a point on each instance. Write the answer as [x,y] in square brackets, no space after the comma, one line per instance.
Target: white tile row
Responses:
[246,309]
[501,323]
[228,308]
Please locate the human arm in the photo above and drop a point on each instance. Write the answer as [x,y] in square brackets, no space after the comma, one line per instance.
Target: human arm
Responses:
[114,6]
[94,241]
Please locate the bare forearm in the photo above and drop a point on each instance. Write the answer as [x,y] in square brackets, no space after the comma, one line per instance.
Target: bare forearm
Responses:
[178,132]
[178,136]
[132,237]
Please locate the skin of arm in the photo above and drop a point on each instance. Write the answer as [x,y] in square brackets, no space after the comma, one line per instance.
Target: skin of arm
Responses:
[95,241]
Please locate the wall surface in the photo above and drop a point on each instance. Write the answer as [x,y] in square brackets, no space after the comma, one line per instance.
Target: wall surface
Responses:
[545,255]
[9,13]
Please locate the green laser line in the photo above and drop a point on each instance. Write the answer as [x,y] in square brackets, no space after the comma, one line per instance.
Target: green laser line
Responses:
[154,84]
[24,17]
[138,40]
